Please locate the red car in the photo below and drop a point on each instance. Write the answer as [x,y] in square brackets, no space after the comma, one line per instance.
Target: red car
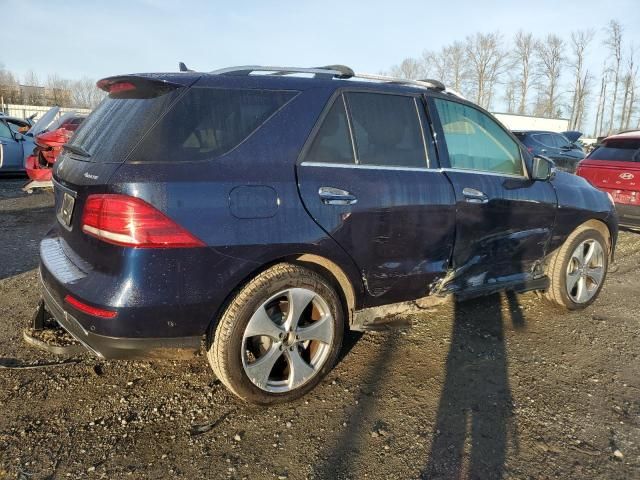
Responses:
[614,167]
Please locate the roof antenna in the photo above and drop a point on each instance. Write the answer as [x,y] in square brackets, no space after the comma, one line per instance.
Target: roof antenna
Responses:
[183,67]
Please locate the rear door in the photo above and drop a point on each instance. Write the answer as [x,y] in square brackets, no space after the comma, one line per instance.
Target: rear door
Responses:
[504,219]
[369,179]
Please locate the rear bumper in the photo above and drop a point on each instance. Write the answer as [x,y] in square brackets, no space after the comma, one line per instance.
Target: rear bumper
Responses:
[118,347]
[628,215]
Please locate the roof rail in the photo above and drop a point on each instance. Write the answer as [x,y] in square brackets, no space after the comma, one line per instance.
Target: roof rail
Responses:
[338,71]
[335,71]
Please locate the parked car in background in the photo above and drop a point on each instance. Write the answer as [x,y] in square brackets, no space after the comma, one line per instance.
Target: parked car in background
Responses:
[48,145]
[14,146]
[562,148]
[269,212]
[614,167]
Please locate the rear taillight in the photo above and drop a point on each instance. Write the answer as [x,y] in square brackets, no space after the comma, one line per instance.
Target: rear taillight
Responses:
[88,309]
[131,222]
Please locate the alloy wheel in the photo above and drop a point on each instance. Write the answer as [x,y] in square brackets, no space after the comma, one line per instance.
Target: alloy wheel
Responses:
[585,271]
[287,340]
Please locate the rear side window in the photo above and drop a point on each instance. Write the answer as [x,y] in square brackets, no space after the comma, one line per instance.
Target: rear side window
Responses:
[201,124]
[477,142]
[208,122]
[117,125]
[387,130]
[618,150]
[332,144]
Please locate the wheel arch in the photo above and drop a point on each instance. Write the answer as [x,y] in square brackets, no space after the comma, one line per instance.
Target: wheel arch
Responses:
[328,269]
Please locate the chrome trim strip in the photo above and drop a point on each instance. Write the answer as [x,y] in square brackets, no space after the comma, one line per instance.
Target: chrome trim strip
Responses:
[367,167]
[483,172]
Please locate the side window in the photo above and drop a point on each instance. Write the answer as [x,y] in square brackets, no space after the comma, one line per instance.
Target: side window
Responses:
[546,140]
[561,141]
[387,130]
[5,132]
[477,142]
[332,143]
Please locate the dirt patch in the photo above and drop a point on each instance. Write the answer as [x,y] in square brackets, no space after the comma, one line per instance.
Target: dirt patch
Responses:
[505,386]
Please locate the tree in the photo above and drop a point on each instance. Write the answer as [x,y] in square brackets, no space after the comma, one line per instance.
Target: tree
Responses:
[85,94]
[606,71]
[58,90]
[629,82]
[522,58]
[549,60]
[409,68]
[614,42]
[487,60]
[580,40]
[9,87]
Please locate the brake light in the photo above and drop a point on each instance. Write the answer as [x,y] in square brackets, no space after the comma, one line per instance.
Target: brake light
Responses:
[88,309]
[116,87]
[132,222]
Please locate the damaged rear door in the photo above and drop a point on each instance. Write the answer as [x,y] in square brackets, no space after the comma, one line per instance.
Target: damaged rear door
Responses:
[504,219]
[367,177]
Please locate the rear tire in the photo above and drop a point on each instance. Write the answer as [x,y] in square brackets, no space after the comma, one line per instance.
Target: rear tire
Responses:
[266,352]
[578,269]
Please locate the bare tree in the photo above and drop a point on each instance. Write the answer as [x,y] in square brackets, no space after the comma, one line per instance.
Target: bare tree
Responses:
[614,42]
[409,68]
[32,91]
[549,60]
[510,96]
[580,40]
[602,98]
[85,94]
[522,59]
[487,60]
[9,90]
[629,84]
[58,90]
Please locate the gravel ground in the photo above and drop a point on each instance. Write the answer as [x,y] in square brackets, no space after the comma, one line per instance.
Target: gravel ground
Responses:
[501,387]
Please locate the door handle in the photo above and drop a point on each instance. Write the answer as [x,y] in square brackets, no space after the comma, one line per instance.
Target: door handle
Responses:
[336,196]
[472,195]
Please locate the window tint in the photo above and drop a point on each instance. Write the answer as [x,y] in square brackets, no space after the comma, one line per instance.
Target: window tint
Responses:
[387,130]
[618,150]
[545,139]
[332,144]
[561,141]
[207,122]
[476,142]
[4,131]
[202,124]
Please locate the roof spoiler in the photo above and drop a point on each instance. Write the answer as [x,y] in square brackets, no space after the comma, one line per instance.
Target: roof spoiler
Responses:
[136,86]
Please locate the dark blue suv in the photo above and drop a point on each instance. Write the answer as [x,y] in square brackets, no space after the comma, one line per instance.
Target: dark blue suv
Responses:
[265,210]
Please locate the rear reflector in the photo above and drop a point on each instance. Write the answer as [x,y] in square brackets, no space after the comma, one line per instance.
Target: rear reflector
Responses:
[88,309]
[132,222]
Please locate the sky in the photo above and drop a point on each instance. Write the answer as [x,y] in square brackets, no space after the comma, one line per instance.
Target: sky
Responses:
[77,38]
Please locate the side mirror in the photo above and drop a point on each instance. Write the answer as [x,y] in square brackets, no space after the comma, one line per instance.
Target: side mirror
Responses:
[542,168]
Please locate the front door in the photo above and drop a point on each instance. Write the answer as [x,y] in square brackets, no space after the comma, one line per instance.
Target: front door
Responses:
[366,179]
[504,219]
[11,153]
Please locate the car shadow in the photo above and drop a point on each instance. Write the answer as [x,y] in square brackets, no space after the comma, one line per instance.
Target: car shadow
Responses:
[475,422]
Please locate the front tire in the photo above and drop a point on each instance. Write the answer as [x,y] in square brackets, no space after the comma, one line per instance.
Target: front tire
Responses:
[279,336]
[577,271]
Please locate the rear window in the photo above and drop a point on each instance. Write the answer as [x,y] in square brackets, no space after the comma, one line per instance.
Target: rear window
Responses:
[203,123]
[618,150]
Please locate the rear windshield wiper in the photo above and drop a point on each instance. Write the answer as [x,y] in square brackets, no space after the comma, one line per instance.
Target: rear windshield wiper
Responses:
[76,149]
